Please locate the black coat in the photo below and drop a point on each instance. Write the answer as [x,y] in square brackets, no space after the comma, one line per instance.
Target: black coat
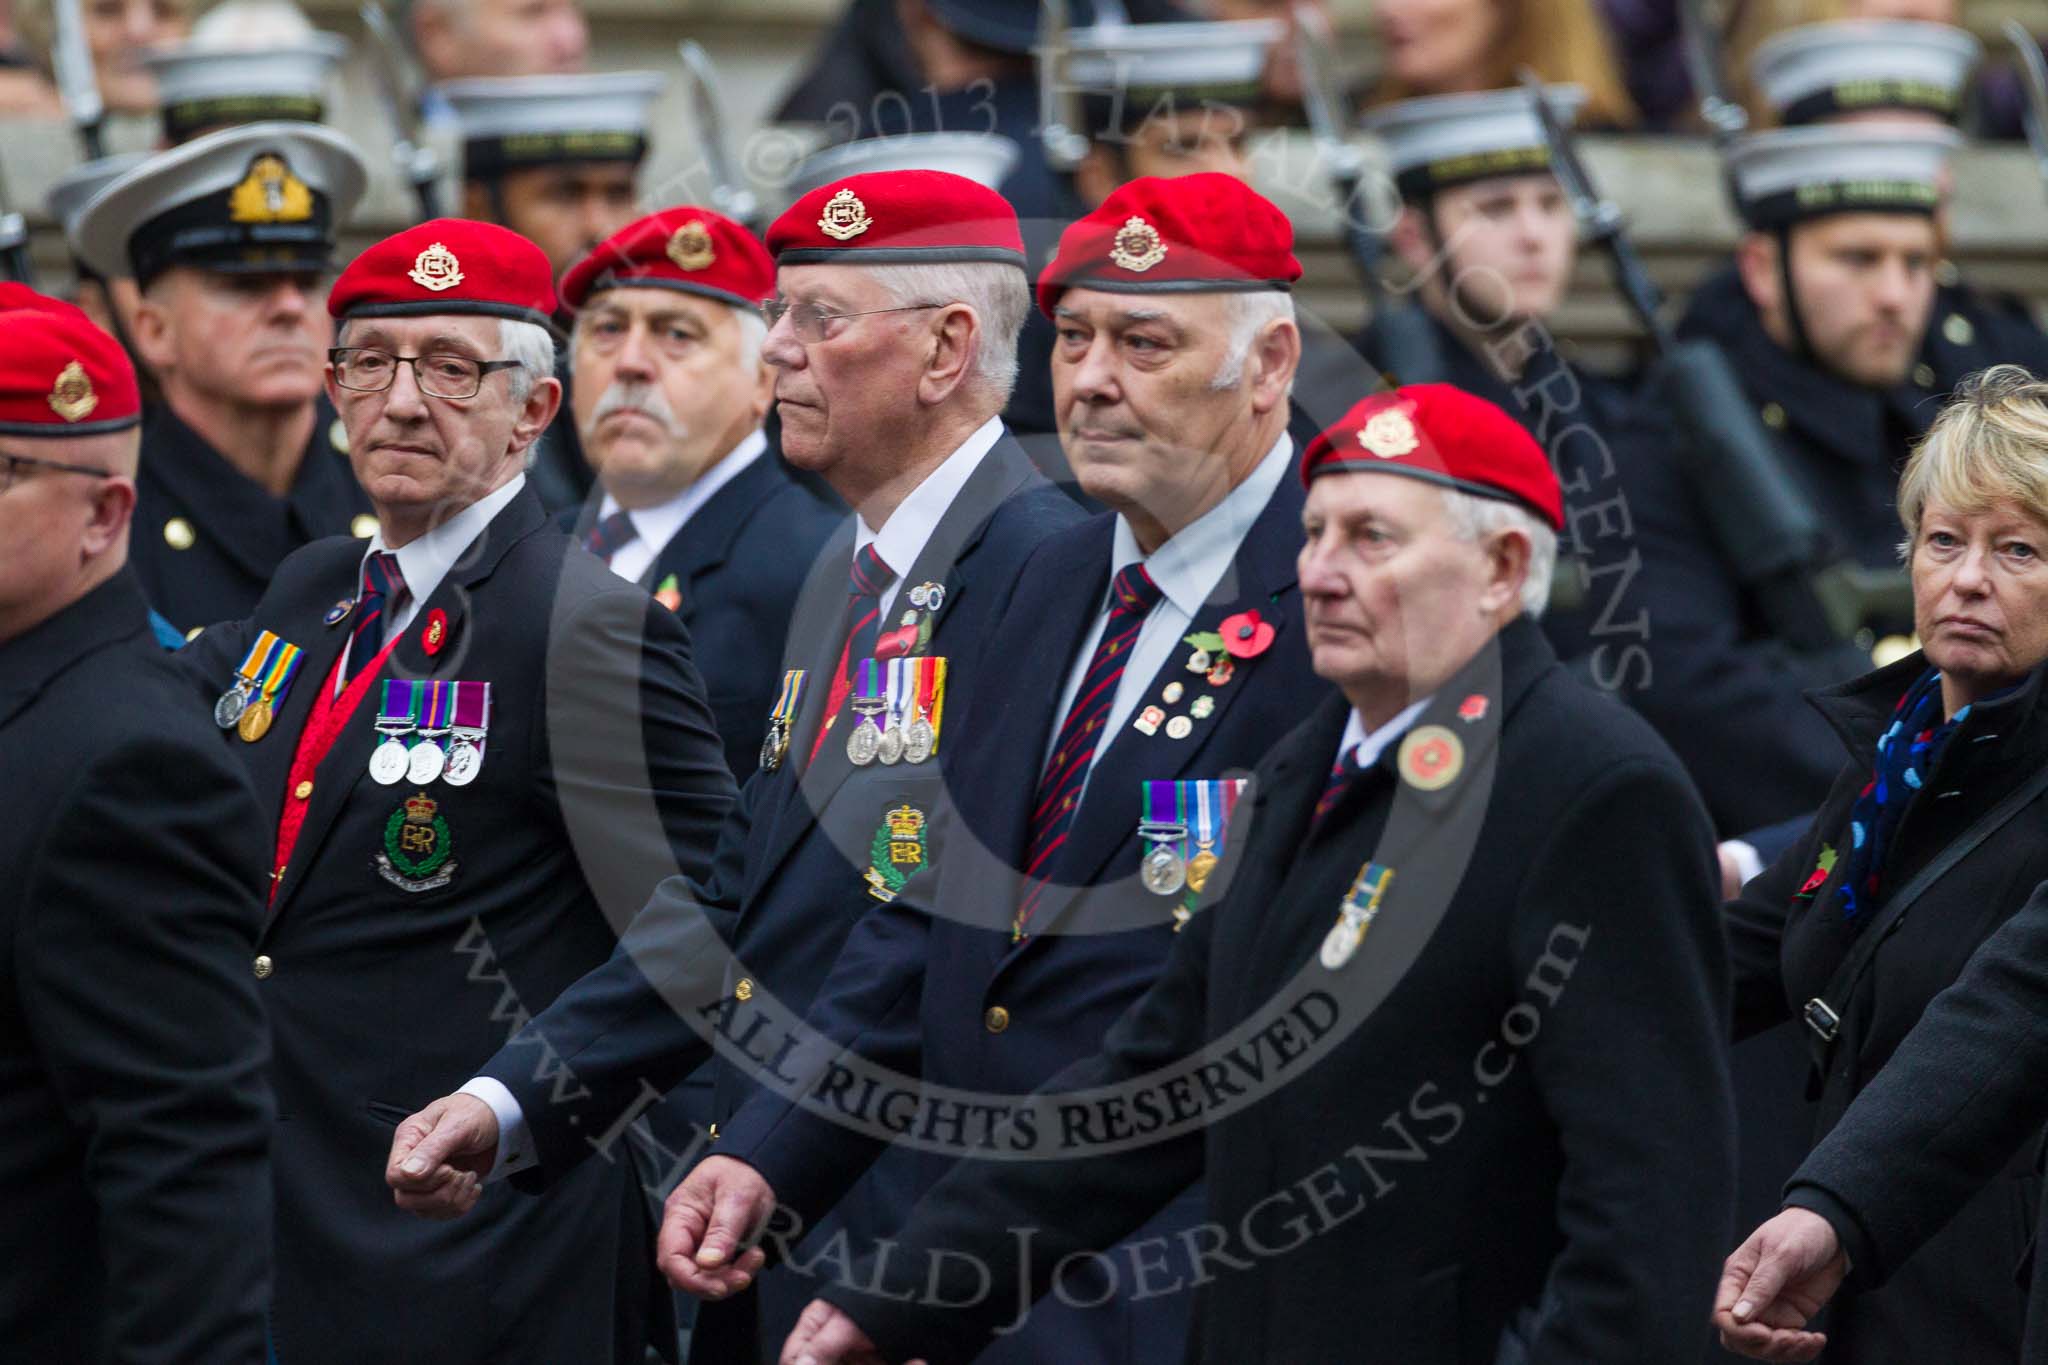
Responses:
[602,775]
[1957,1301]
[238,533]
[1404,1183]
[134,1110]
[739,562]
[1950,1126]
[1099,938]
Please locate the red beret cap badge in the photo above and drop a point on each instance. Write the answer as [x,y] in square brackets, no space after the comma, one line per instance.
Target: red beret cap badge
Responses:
[436,268]
[72,397]
[690,247]
[1137,247]
[1389,434]
[845,217]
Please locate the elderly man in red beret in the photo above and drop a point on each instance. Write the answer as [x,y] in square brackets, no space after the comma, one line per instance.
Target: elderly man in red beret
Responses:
[893,341]
[477,751]
[669,390]
[1443,1041]
[1166,643]
[134,1156]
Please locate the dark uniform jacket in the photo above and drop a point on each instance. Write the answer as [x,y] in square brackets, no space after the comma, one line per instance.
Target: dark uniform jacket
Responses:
[971,1008]
[1938,1133]
[1513,1094]
[738,563]
[134,1110]
[206,539]
[1955,1301]
[602,774]
[788,879]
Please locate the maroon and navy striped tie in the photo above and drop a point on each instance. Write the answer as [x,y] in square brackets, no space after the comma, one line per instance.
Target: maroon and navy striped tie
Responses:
[869,578]
[1132,598]
[610,536]
[1342,772]
[383,587]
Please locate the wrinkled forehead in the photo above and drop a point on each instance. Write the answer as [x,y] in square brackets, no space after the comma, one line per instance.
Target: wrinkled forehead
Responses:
[839,288]
[1369,493]
[462,334]
[1193,313]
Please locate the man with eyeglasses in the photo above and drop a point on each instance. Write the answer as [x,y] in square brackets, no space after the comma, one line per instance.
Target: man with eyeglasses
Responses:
[134,1161]
[669,391]
[478,751]
[230,239]
[893,338]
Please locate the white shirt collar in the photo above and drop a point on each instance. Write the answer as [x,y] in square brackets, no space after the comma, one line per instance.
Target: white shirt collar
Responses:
[658,525]
[426,560]
[1371,745]
[902,538]
[1194,559]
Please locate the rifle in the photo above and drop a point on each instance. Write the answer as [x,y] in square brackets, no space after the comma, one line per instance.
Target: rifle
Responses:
[14,261]
[1065,146]
[2035,69]
[398,84]
[1761,518]
[729,195]
[77,86]
[1399,335]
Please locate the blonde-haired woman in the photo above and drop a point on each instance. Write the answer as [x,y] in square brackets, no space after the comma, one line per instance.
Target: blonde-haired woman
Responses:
[1935,833]
[1445,47]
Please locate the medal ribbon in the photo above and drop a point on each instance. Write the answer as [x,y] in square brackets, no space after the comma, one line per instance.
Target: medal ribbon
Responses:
[785,705]
[278,680]
[1366,891]
[401,708]
[440,704]
[929,673]
[898,695]
[257,662]
[869,683]
[473,707]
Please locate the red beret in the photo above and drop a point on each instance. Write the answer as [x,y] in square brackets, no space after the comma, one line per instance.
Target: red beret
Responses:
[898,218]
[686,248]
[1189,233]
[451,265]
[60,375]
[1446,436]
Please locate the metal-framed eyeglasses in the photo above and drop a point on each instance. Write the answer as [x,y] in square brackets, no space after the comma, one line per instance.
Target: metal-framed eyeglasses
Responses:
[808,320]
[439,374]
[11,466]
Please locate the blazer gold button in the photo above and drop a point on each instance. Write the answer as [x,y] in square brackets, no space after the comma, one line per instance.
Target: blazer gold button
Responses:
[714,1132]
[178,534]
[264,967]
[1774,416]
[997,1019]
[303,790]
[743,991]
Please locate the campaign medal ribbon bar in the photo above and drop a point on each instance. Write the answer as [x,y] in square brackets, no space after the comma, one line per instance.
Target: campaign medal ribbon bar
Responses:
[1355,914]
[426,760]
[396,719]
[277,680]
[927,685]
[1164,868]
[472,725]
[890,748]
[864,741]
[227,712]
[782,720]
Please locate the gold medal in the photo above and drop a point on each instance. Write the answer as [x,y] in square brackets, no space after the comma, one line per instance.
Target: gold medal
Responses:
[1199,868]
[255,722]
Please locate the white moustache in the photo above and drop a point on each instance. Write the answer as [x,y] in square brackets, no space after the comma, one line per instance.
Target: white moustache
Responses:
[636,397]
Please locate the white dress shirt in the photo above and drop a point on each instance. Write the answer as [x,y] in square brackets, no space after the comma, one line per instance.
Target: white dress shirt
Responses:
[1189,570]
[1371,744]
[654,527]
[900,541]
[426,560]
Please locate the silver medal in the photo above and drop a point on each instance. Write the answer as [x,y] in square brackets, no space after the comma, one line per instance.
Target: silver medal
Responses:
[1164,871]
[465,761]
[890,747]
[228,710]
[389,762]
[1340,943]
[772,745]
[918,740]
[424,763]
[863,743]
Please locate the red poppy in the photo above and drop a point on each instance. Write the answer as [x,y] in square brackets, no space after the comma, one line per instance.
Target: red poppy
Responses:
[436,633]
[1815,882]
[896,644]
[1245,636]
[1473,707]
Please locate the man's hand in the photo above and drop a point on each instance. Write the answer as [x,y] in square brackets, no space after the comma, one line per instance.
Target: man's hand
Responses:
[826,1336]
[717,1210]
[440,1156]
[1774,1284]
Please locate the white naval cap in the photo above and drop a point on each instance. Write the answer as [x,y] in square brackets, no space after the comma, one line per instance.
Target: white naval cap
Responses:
[509,122]
[984,158]
[257,198]
[1437,141]
[1819,71]
[202,87]
[1222,61]
[72,191]
[1788,174]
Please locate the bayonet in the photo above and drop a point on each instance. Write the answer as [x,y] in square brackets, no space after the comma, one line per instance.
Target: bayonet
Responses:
[729,194]
[1065,148]
[1725,119]
[398,84]
[2034,69]
[77,85]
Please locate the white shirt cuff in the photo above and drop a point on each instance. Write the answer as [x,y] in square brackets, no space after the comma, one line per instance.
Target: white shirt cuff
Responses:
[515,1143]
[1747,864]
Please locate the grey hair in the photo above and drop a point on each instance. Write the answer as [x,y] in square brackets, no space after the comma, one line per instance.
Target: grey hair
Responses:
[529,343]
[1247,312]
[1474,518]
[999,295]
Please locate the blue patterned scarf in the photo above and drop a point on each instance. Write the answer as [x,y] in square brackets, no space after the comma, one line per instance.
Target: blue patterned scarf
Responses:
[1906,754]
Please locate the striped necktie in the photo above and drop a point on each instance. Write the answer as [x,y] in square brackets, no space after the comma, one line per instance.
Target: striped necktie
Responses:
[383,587]
[1132,598]
[869,578]
[610,536]
[1342,773]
